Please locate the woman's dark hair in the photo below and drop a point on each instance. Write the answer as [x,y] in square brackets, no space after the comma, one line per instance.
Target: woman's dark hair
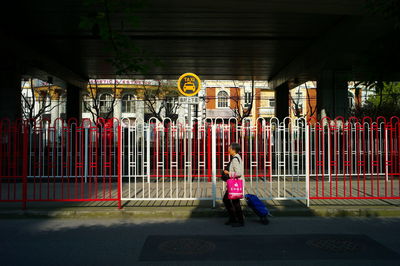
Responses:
[235,146]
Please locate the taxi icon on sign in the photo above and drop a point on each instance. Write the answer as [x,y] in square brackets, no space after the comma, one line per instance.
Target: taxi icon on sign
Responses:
[189,86]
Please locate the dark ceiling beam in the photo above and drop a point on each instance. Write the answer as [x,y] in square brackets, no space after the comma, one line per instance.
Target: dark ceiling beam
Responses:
[181,37]
[40,65]
[349,34]
[336,7]
[328,7]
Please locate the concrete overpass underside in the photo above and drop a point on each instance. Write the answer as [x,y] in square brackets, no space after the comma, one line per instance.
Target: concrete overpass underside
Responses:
[284,42]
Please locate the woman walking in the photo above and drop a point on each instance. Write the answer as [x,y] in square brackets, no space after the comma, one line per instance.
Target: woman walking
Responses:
[234,169]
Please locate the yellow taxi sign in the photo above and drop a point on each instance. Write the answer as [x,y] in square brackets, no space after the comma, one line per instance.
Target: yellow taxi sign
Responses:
[189,84]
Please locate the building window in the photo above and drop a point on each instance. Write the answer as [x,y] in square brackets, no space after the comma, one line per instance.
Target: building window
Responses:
[86,103]
[27,103]
[128,104]
[171,105]
[351,97]
[222,99]
[247,99]
[146,108]
[271,102]
[299,109]
[106,104]
[63,105]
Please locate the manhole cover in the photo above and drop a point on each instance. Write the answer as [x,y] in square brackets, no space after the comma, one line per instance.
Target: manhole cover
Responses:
[186,246]
[337,244]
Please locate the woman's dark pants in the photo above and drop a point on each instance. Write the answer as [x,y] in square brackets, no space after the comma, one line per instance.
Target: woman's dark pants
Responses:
[234,209]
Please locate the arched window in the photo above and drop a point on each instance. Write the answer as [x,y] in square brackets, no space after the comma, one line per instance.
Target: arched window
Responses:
[86,103]
[352,98]
[106,101]
[222,99]
[128,103]
[63,104]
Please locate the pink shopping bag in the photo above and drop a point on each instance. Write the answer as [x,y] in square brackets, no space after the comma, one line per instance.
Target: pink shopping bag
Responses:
[235,188]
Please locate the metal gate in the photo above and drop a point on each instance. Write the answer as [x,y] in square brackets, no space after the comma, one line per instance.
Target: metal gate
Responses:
[175,161]
[166,160]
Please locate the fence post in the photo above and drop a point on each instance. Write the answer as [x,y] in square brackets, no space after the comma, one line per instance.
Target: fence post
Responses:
[119,162]
[148,142]
[86,153]
[386,128]
[308,164]
[26,132]
[214,163]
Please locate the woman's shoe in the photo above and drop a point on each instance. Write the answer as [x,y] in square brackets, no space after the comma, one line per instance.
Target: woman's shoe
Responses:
[264,220]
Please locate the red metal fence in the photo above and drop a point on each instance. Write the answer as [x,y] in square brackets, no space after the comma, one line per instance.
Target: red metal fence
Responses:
[13,161]
[106,161]
[60,161]
[352,159]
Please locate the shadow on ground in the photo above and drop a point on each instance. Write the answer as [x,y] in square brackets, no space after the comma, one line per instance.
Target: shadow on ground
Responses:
[287,240]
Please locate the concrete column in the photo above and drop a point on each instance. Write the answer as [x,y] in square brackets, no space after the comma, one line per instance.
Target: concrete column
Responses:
[73,102]
[55,113]
[332,94]
[282,101]
[117,107]
[10,92]
[140,105]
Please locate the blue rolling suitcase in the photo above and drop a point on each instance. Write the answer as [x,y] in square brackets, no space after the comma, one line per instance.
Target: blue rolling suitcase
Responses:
[258,207]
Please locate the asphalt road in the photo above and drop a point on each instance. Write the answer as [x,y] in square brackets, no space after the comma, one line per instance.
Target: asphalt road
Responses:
[285,241]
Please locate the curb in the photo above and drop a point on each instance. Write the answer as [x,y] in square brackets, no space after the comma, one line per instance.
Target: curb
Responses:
[185,213]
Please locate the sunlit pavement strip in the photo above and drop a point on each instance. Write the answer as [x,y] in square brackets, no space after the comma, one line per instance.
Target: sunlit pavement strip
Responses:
[191,212]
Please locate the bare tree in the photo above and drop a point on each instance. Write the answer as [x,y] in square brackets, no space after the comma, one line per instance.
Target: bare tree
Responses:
[297,104]
[240,110]
[36,100]
[310,110]
[94,103]
[162,101]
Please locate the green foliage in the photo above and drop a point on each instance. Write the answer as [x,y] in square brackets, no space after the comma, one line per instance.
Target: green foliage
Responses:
[389,96]
[385,101]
